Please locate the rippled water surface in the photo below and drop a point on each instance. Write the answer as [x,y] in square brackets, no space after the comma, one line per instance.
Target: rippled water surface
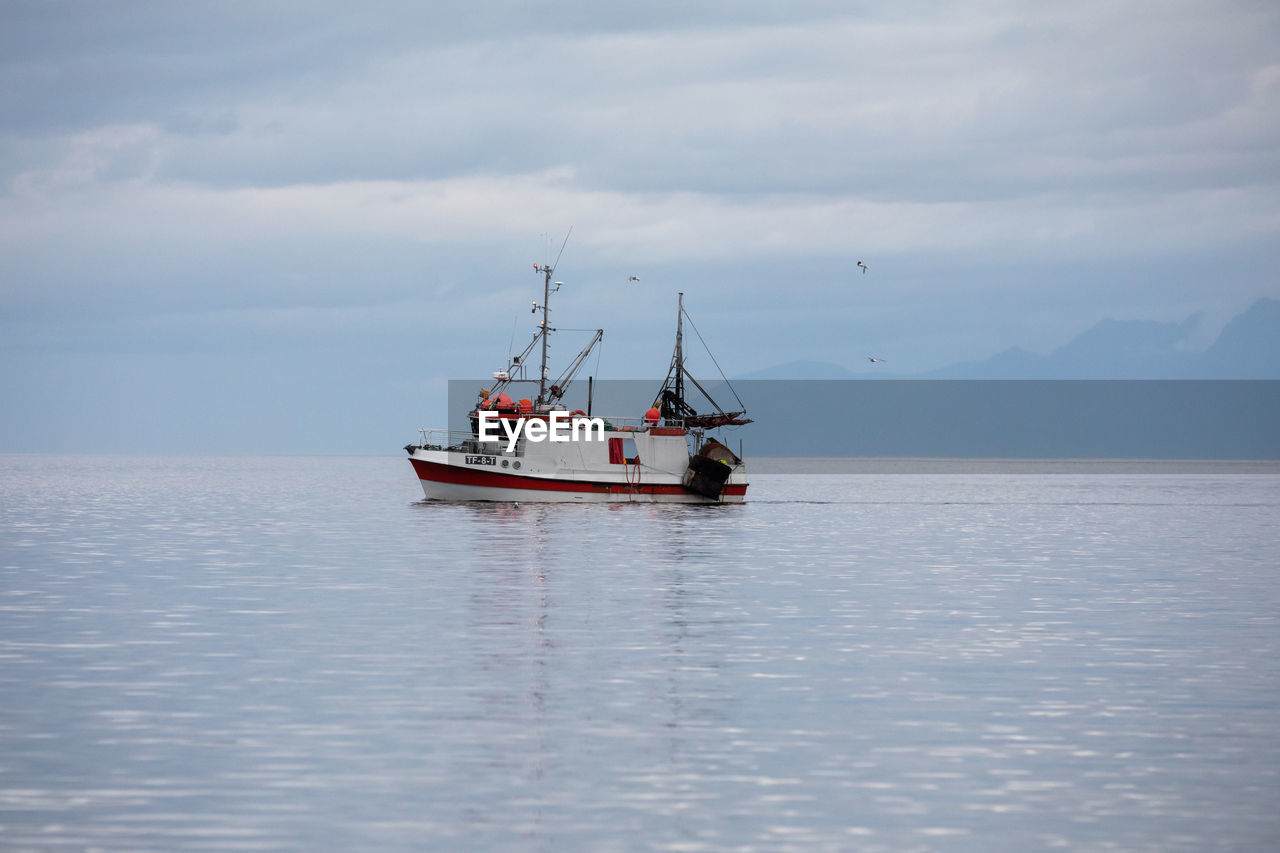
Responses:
[297,653]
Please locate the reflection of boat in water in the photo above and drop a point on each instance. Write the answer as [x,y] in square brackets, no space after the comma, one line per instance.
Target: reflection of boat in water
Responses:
[664,456]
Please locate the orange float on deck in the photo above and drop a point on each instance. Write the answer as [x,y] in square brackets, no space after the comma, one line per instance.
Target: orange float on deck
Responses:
[652,415]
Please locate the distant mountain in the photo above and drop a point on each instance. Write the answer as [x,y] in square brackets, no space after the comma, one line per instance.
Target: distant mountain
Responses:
[1112,349]
[1014,363]
[1247,348]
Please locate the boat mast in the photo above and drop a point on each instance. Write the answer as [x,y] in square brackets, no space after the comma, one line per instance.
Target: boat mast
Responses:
[670,400]
[546,299]
[680,347]
[547,271]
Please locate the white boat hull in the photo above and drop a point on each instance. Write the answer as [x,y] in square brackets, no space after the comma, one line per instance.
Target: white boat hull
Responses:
[448,476]
[455,492]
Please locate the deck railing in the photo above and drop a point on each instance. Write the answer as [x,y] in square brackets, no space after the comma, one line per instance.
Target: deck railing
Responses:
[452,439]
[640,424]
[463,441]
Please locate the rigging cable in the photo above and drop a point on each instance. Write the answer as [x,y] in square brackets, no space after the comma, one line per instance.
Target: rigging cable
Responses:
[562,245]
[713,361]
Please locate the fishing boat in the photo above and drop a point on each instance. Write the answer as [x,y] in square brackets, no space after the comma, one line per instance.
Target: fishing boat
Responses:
[511,452]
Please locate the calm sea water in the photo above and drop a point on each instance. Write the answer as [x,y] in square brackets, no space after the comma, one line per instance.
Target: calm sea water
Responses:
[296,653]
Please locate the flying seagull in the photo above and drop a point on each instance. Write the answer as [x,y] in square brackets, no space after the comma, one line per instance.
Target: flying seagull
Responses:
[634,278]
[874,360]
[863,267]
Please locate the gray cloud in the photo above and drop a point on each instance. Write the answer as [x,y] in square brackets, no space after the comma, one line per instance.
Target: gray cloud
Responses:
[238,178]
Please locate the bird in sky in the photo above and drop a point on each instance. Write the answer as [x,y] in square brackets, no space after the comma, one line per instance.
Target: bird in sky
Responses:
[634,278]
[874,360]
[863,267]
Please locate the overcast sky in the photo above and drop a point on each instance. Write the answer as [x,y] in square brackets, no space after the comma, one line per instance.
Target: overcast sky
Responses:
[279,227]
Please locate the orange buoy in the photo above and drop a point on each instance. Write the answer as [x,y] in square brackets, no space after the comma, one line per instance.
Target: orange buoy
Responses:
[504,399]
[526,405]
[652,415]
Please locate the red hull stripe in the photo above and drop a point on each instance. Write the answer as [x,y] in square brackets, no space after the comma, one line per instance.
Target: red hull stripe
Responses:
[434,472]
